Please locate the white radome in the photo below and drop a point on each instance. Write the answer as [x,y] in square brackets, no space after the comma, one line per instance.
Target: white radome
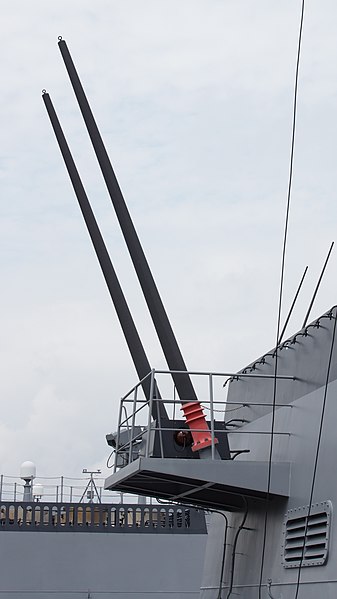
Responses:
[28,471]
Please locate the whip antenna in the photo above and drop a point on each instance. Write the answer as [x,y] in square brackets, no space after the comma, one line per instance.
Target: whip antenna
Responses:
[318,284]
[292,305]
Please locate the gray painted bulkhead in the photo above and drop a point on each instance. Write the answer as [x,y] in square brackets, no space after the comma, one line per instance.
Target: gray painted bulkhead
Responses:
[306,356]
[100,566]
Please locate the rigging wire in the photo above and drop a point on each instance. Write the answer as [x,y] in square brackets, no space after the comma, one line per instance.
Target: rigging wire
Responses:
[285,237]
[319,439]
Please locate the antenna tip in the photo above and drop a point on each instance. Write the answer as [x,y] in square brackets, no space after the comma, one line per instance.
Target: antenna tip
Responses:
[60,38]
[44,91]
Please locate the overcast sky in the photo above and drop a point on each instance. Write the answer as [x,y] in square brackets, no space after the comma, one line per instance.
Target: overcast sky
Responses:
[194,102]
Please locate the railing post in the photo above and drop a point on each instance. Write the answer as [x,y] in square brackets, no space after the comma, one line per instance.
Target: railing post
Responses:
[61,489]
[57,493]
[211,412]
[14,491]
[150,402]
[71,494]
[1,485]
[134,408]
[159,427]
[174,401]
[118,429]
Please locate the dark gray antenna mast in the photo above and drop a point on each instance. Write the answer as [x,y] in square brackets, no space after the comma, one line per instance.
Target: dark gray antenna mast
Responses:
[160,319]
[134,343]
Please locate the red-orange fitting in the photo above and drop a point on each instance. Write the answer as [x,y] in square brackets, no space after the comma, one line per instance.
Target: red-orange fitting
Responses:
[196,420]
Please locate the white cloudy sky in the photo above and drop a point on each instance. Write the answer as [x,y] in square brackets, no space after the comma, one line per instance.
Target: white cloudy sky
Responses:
[194,101]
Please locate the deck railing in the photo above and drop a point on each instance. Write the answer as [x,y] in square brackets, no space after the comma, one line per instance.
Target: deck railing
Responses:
[104,518]
[136,426]
[63,489]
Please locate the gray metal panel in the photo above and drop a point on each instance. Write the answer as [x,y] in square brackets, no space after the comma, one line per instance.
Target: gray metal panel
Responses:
[65,566]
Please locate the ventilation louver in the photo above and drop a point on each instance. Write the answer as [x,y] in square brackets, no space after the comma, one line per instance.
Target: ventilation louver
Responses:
[306,535]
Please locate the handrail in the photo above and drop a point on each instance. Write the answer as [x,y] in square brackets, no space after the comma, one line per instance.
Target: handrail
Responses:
[137,417]
[106,518]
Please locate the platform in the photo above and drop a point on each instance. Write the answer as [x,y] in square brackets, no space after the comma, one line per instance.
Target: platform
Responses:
[217,484]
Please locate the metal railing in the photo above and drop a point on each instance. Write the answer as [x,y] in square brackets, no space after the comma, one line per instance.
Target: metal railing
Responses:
[48,517]
[136,424]
[61,489]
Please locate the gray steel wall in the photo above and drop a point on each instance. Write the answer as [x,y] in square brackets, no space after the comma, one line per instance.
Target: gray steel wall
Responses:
[308,360]
[67,566]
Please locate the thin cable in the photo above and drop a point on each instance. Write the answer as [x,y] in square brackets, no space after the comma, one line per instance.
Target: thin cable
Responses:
[213,511]
[316,455]
[285,237]
[269,589]
[108,465]
[223,553]
[235,544]
[224,410]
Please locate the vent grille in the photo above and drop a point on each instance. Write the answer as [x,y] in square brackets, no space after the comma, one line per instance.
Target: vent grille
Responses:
[306,535]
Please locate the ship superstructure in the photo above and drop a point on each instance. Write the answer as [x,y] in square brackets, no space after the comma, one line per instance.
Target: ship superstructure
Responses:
[262,466]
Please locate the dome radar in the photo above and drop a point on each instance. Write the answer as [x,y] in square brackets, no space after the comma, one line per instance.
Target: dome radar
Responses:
[27,473]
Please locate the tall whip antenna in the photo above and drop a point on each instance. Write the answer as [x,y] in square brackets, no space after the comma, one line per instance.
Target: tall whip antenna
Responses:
[285,238]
